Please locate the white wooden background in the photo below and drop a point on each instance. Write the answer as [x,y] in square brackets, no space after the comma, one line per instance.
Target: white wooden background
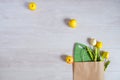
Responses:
[32,42]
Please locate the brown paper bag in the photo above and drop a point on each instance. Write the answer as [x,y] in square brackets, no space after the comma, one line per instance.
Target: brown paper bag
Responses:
[88,71]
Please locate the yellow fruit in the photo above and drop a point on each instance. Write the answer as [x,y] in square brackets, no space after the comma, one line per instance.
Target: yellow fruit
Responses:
[105,55]
[69,59]
[32,6]
[99,44]
[72,23]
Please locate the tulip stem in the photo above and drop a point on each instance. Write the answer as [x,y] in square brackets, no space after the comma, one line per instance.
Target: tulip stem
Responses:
[96,54]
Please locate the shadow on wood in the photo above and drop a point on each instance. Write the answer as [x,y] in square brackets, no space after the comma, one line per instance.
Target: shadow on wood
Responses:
[63,57]
[66,20]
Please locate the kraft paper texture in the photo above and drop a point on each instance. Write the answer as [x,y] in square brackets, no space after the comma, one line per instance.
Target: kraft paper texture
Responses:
[88,71]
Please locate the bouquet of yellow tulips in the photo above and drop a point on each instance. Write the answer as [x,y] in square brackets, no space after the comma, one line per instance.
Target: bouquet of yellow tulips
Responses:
[96,54]
[90,54]
[89,62]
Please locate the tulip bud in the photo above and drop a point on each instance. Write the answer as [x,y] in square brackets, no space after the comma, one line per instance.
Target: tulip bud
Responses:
[105,55]
[69,59]
[73,23]
[93,42]
[99,44]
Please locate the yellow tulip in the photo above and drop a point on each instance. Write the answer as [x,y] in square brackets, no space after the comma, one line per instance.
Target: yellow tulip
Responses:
[99,44]
[105,55]
[32,6]
[72,23]
[69,59]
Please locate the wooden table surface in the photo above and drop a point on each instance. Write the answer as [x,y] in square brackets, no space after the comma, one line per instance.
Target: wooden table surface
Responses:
[32,43]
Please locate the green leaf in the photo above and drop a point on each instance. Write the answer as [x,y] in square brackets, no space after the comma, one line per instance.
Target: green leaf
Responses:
[80,53]
[106,65]
[90,52]
[82,45]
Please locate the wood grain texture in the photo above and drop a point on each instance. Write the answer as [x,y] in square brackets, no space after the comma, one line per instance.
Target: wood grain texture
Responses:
[32,42]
